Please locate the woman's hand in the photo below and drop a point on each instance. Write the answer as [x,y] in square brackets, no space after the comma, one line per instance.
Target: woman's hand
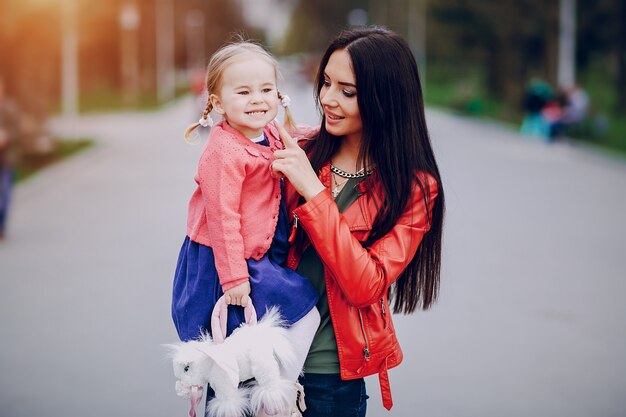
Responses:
[239,295]
[293,163]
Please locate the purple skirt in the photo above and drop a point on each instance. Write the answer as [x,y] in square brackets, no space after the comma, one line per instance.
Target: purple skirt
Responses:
[197,287]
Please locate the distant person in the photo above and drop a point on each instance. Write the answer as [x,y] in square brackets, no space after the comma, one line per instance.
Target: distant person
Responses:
[576,105]
[368,205]
[540,109]
[9,131]
[237,226]
[574,110]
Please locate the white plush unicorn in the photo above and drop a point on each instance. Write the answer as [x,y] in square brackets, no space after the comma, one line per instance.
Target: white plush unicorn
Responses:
[254,350]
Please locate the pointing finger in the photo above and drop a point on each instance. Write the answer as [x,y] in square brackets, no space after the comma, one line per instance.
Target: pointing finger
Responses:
[285,136]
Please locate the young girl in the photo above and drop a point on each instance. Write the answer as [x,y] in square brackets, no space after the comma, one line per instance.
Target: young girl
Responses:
[369,219]
[237,225]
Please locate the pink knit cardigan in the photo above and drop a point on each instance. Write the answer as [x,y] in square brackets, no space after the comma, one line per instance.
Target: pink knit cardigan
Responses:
[234,210]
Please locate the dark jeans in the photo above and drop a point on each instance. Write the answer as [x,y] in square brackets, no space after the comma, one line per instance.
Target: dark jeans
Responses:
[327,395]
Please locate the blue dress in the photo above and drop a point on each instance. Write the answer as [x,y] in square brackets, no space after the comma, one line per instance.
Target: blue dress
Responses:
[197,287]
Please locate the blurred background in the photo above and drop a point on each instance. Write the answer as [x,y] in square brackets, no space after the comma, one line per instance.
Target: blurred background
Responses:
[77,56]
[525,105]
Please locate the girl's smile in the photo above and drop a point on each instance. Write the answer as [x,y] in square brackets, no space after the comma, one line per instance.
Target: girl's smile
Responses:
[257,113]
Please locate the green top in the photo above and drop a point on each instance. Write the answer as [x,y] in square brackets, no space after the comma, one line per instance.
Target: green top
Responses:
[323,357]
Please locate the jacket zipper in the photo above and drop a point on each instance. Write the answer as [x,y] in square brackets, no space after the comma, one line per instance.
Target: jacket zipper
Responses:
[294,228]
[382,307]
[366,349]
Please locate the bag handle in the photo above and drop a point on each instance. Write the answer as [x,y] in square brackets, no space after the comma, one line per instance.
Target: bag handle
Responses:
[219,318]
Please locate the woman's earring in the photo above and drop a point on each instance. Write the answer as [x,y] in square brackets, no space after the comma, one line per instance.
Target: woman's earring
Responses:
[285,101]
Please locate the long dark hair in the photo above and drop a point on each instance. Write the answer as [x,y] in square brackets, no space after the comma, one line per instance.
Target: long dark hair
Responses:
[395,139]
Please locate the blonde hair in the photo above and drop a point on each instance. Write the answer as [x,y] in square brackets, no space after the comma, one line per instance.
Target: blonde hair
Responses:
[217,65]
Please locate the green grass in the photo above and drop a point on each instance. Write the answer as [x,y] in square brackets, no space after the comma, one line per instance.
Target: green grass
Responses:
[32,163]
[111,100]
[465,93]
[603,97]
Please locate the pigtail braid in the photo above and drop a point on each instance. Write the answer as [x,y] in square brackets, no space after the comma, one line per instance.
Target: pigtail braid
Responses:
[195,125]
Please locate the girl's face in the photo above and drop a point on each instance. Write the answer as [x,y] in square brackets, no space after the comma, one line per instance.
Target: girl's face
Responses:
[338,97]
[247,97]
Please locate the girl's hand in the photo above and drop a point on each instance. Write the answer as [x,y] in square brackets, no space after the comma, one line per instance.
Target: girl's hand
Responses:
[239,295]
[293,163]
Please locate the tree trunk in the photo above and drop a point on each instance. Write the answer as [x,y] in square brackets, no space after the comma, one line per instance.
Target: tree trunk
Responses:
[495,78]
[552,43]
[621,68]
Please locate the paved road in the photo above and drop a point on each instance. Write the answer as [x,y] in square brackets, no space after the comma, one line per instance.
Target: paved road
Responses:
[531,319]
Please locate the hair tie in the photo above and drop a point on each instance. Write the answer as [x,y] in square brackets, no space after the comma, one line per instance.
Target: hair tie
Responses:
[205,121]
[285,101]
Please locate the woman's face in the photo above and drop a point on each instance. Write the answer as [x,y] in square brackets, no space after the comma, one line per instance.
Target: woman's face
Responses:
[338,97]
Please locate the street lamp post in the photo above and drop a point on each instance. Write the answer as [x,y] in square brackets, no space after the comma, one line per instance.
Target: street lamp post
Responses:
[566,75]
[129,22]
[69,59]
[416,15]
[194,30]
[166,84]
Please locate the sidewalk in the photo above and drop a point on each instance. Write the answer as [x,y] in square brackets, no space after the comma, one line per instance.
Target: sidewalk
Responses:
[87,272]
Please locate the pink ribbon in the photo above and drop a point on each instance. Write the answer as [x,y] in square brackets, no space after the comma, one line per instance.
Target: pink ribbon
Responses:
[219,318]
[196,396]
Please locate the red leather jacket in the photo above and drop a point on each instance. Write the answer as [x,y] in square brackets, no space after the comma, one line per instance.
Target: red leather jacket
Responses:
[357,277]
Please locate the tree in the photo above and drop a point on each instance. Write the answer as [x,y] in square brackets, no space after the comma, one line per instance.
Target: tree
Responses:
[30,35]
[314,23]
[508,40]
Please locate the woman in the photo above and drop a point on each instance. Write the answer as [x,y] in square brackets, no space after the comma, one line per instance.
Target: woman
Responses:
[367,204]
